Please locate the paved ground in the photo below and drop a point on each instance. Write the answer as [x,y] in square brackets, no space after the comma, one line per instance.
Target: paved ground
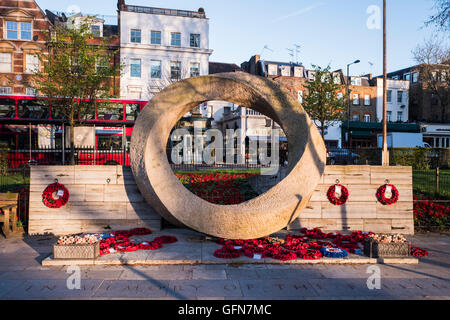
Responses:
[23,277]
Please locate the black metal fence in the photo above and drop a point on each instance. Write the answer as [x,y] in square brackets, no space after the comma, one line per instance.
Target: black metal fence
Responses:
[82,156]
[418,158]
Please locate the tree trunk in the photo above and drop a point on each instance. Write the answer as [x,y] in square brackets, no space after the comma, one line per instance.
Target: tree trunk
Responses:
[322,129]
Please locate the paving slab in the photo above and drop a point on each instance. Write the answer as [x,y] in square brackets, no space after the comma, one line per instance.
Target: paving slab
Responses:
[133,289]
[277,288]
[53,289]
[199,274]
[206,288]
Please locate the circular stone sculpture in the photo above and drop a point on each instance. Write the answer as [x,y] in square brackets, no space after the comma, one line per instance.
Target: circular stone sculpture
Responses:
[261,216]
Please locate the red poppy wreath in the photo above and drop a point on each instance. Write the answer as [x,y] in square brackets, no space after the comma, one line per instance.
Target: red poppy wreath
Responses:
[62,193]
[331,195]
[381,194]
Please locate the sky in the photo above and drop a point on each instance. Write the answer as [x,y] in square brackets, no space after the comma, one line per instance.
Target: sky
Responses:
[329,32]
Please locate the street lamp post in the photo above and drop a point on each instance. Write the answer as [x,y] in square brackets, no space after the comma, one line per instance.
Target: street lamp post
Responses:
[385,152]
[348,105]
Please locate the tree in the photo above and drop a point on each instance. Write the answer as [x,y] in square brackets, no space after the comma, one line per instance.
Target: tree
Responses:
[441,17]
[322,102]
[76,71]
[433,57]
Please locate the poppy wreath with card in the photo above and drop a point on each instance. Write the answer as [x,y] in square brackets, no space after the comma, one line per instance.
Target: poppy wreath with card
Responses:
[47,196]
[381,196]
[331,195]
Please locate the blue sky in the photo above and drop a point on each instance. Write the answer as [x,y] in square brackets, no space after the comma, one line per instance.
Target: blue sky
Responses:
[331,32]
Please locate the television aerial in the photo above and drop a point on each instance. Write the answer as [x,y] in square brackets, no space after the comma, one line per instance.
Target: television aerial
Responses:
[266,47]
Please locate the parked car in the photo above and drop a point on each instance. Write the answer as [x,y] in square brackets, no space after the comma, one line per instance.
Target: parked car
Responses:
[341,156]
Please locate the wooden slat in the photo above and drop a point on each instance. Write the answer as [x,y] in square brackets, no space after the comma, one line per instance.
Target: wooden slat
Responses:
[396,175]
[349,210]
[96,175]
[347,174]
[44,175]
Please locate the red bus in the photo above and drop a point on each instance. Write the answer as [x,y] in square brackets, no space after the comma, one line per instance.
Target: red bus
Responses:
[34,133]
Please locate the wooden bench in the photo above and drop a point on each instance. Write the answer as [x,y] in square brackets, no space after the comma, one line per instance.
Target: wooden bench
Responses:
[8,212]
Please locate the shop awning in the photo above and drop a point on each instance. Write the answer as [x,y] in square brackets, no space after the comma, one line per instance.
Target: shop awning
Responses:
[361,134]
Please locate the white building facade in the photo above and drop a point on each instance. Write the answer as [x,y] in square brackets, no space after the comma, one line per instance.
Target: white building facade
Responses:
[159,47]
[397,100]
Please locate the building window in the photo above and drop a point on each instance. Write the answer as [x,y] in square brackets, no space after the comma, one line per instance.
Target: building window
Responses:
[355,117]
[285,71]
[135,68]
[175,39]
[5,62]
[399,96]
[399,116]
[175,70]
[32,63]
[300,96]
[195,69]
[272,69]
[356,81]
[388,115]
[389,95]
[155,69]
[407,77]
[25,30]
[355,99]
[367,118]
[367,100]
[5,90]
[155,37]
[31,92]
[195,40]
[298,72]
[415,77]
[12,29]
[336,78]
[95,30]
[135,36]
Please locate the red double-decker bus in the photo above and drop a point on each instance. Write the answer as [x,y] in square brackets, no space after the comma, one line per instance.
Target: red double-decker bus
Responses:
[34,133]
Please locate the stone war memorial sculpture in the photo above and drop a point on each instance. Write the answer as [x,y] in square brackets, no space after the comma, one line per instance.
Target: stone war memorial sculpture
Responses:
[115,197]
[266,214]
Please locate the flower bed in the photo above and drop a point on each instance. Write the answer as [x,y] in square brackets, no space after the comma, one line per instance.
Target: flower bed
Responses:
[219,187]
[429,213]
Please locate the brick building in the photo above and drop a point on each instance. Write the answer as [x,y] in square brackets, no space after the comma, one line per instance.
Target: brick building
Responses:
[294,77]
[22,34]
[425,105]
